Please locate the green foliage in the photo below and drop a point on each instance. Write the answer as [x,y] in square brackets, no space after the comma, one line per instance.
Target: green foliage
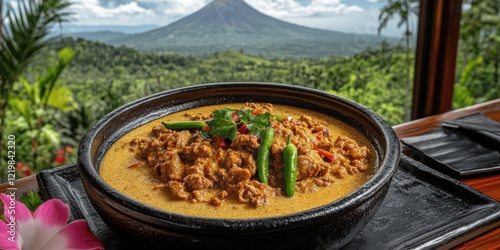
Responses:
[24,35]
[479,38]
[374,79]
[32,200]
[462,96]
[105,77]
[405,9]
[402,8]
[73,125]
[32,103]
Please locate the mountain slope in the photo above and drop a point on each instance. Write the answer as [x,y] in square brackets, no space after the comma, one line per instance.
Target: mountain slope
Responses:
[222,18]
[234,25]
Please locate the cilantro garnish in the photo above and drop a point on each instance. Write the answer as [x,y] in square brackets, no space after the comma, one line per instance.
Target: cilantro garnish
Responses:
[258,123]
[245,115]
[222,123]
[204,134]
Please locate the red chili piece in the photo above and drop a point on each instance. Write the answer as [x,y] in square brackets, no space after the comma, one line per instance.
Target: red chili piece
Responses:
[220,141]
[243,129]
[235,117]
[325,154]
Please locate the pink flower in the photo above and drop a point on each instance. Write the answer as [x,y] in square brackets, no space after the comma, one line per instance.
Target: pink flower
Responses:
[45,229]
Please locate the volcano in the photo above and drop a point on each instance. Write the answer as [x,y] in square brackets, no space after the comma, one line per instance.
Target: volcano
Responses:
[234,25]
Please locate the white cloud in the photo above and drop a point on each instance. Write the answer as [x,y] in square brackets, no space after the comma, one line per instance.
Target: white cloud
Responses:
[364,23]
[183,7]
[91,11]
[291,8]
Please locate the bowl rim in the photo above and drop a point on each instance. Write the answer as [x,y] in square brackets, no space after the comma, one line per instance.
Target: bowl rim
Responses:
[389,164]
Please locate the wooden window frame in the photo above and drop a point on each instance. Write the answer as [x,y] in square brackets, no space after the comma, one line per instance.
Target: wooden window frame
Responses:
[435,60]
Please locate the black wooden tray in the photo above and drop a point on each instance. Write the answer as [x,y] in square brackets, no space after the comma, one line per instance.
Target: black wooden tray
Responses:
[462,147]
[423,209]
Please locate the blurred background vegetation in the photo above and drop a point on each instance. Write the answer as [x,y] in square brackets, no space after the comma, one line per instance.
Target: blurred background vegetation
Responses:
[54,88]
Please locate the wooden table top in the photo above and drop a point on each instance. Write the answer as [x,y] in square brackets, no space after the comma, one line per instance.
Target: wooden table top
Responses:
[489,185]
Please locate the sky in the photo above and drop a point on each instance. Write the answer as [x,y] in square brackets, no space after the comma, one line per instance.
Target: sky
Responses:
[355,16]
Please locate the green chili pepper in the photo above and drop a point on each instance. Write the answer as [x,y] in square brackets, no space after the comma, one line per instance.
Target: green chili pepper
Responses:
[188,125]
[290,157]
[266,141]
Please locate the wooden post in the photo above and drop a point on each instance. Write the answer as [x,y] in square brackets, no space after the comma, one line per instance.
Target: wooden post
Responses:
[437,44]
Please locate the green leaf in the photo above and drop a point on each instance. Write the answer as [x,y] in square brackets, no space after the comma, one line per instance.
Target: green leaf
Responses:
[50,135]
[222,124]
[204,134]
[469,69]
[245,115]
[31,200]
[65,56]
[21,106]
[61,98]
[48,81]
[259,123]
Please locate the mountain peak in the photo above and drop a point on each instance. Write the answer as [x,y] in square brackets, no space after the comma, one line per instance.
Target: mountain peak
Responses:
[228,11]
[227,2]
[231,24]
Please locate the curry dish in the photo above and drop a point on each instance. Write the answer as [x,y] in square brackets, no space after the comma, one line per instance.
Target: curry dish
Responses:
[234,161]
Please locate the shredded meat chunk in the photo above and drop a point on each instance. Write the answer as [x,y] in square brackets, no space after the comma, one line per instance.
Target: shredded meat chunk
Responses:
[246,142]
[219,198]
[353,158]
[254,192]
[197,182]
[178,190]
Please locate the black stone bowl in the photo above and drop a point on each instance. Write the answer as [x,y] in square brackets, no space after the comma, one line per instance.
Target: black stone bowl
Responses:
[330,226]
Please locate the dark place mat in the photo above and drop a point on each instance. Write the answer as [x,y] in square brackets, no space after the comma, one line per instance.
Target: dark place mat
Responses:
[478,125]
[423,209]
[461,147]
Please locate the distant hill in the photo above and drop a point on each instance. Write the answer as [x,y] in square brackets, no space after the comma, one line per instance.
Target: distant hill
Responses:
[234,25]
[102,33]
[125,29]
[102,36]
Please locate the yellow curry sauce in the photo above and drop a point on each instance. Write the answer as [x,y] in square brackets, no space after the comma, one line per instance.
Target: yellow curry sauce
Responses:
[142,184]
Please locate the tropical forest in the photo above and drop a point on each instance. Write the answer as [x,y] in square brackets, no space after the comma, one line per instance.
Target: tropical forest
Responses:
[55,87]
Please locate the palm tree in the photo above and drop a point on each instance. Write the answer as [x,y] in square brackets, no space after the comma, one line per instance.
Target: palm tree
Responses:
[24,33]
[404,9]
